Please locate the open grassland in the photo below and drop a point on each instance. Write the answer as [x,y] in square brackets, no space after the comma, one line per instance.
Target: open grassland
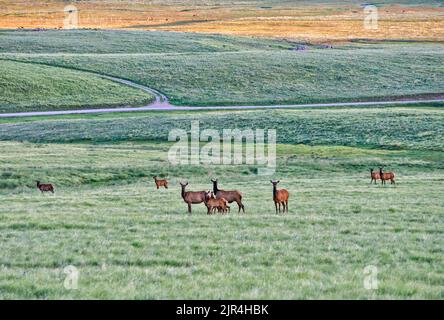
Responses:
[194,69]
[28,87]
[314,21]
[129,240]
[387,128]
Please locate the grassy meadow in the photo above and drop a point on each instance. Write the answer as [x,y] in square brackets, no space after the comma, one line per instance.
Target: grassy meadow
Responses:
[129,240]
[193,69]
[30,87]
[314,21]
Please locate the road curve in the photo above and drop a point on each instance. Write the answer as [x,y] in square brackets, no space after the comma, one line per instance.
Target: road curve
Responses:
[161,103]
[160,100]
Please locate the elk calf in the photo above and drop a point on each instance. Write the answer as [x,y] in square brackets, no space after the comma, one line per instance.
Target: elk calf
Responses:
[45,187]
[212,203]
[230,196]
[280,197]
[160,183]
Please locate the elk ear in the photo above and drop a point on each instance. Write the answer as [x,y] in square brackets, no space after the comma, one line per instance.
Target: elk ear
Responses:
[278,181]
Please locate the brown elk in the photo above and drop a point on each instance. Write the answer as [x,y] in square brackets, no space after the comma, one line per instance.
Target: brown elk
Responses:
[384,176]
[280,197]
[45,187]
[230,196]
[192,197]
[212,203]
[160,183]
[374,175]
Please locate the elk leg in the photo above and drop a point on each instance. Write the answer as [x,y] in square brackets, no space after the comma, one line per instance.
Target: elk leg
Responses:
[276,205]
[189,207]
[286,202]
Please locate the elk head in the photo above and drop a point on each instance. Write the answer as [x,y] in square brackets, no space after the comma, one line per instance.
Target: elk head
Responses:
[274,182]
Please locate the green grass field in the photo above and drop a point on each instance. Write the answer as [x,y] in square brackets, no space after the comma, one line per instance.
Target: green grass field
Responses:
[129,240]
[29,87]
[193,69]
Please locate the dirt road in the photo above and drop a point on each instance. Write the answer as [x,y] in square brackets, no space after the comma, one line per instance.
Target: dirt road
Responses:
[161,103]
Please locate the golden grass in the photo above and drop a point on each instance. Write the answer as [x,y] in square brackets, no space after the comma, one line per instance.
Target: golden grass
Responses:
[312,23]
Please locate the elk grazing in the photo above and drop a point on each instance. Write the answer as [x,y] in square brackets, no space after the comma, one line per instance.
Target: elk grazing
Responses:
[280,197]
[45,187]
[191,197]
[384,176]
[374,176]
[160,183]
[212,203]
[230,196]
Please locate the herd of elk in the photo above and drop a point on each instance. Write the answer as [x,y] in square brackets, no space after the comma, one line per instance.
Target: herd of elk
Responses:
[219,199]
[381,175]
[160,183]
[280,197]
[45,187]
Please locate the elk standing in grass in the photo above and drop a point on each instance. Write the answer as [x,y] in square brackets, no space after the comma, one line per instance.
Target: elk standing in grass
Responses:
[45,187]
[160,183]
[386,176]
[230,196]
[212,203]
[191,197]
[374,176]
[280,197]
